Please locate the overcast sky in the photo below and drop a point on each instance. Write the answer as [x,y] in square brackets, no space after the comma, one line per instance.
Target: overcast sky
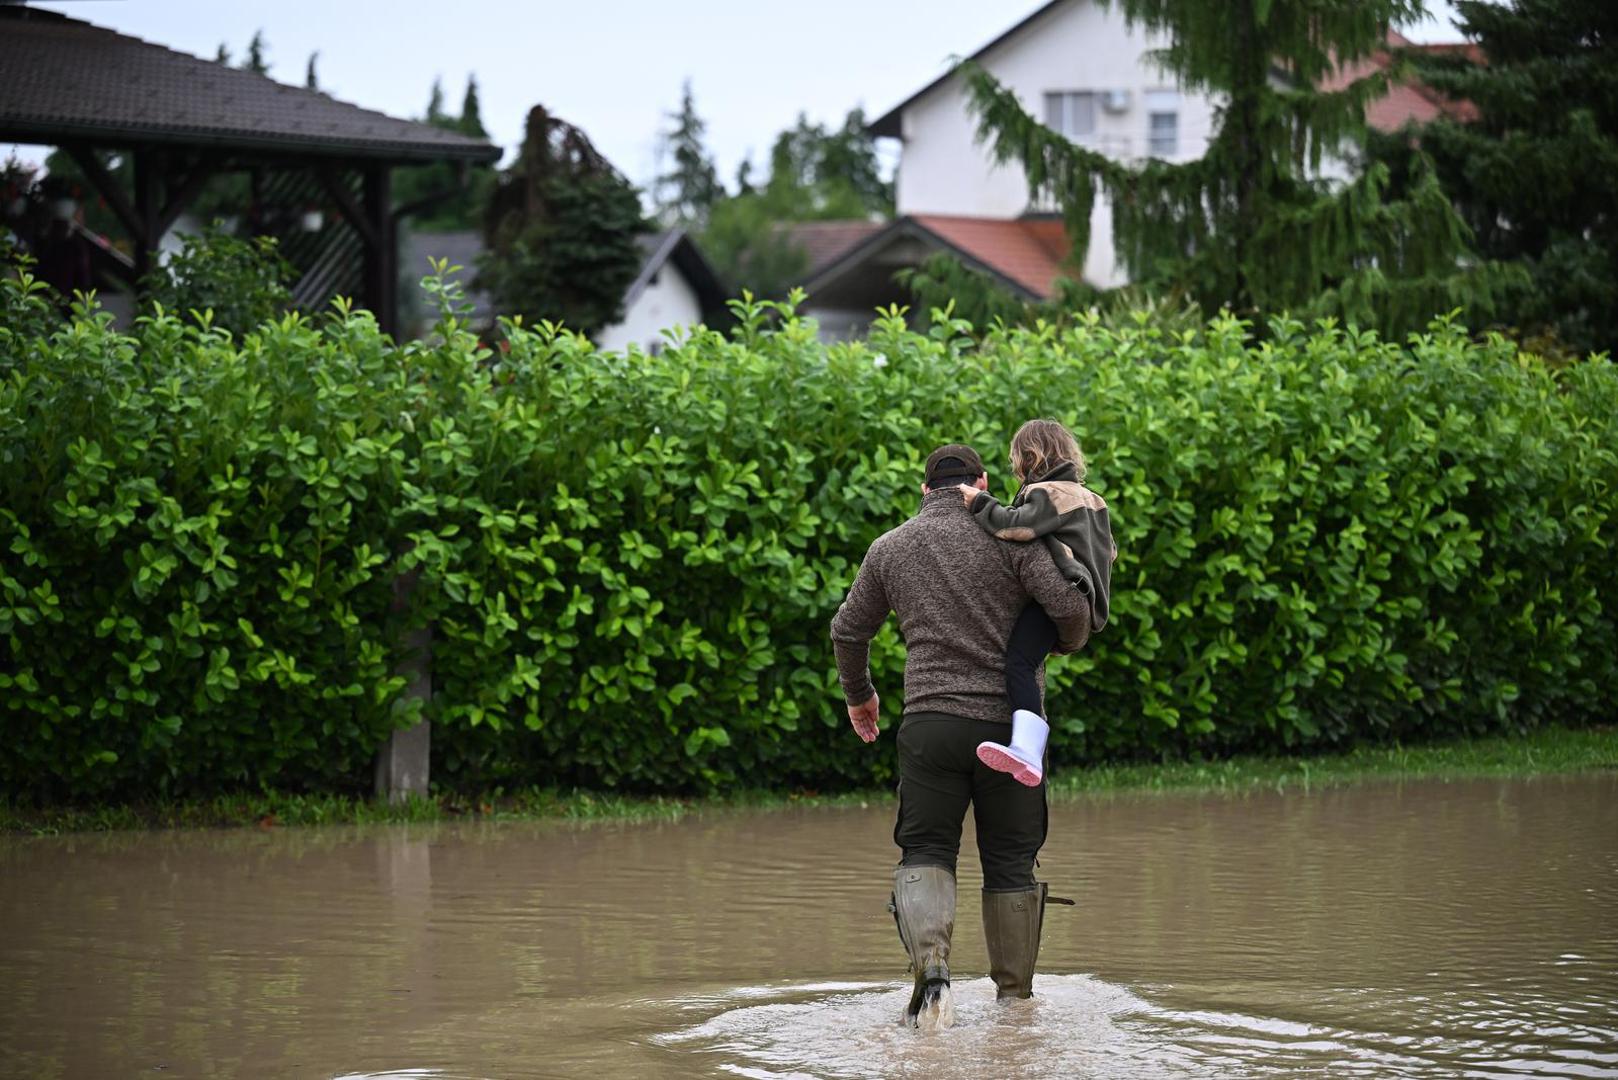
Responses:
[613,67]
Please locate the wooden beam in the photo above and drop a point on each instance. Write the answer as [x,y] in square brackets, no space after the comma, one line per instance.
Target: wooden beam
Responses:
[351,210]
[181,198]
[107,185]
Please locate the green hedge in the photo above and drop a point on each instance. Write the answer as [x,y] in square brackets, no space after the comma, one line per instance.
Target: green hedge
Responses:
[629,562]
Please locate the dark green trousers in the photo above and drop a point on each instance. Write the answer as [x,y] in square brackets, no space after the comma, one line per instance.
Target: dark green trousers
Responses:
[939,775]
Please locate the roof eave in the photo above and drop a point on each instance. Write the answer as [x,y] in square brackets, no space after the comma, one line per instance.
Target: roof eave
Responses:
[53,132]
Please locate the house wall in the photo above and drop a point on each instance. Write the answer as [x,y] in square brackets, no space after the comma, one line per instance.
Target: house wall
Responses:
[666,302]
[1077,46]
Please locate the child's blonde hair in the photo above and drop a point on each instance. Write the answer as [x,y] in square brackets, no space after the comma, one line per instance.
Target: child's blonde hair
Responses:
[1040,446]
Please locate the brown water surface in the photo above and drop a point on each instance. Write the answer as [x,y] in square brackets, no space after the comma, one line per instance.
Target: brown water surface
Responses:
[1414,930]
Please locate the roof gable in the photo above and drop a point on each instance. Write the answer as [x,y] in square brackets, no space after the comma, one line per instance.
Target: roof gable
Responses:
[676,246]
[888,124]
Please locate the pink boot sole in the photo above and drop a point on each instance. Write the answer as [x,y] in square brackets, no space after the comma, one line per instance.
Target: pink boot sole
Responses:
[1000,759]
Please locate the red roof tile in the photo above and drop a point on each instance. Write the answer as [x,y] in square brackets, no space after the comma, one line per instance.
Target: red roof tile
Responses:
[1030,252]
[1405,102]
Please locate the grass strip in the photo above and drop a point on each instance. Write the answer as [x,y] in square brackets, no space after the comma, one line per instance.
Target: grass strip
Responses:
[1541,752]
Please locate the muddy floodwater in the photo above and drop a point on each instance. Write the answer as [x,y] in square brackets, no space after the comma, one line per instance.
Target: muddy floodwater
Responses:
[1402,930]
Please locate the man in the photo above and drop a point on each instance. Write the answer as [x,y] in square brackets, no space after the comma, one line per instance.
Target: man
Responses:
[957,592]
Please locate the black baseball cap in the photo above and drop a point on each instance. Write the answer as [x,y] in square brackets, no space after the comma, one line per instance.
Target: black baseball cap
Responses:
[956,463]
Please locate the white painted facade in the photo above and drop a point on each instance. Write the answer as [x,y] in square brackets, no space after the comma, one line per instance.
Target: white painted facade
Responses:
[1076,48]
[668,300]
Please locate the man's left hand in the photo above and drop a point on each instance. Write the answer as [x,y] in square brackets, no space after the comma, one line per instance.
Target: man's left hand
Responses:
[863,716]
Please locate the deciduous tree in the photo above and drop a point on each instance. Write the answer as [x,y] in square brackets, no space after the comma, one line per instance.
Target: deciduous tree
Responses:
[560,230]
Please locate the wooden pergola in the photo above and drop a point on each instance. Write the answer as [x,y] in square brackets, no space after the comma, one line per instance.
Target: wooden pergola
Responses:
[185,120]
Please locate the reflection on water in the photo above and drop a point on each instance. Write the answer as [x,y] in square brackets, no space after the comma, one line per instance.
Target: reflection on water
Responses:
[1431,929]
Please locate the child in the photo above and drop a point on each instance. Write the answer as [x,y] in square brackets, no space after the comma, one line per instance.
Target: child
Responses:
[1054,505]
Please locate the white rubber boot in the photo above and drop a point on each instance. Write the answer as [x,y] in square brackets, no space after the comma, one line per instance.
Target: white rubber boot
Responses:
[1025,757]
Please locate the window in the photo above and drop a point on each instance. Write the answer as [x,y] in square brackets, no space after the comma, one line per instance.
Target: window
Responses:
[1072,114]
[1163,139]
[1163,123]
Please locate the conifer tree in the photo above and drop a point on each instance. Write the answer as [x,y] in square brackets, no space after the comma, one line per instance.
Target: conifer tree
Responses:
[1531,158]
[435,103]
[1250,225]
[471,121]
[310,80]
[256,49]
[686,193]
[456,193]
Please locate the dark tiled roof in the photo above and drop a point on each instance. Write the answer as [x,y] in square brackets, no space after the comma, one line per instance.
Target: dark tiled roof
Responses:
[825,241]
[65,79]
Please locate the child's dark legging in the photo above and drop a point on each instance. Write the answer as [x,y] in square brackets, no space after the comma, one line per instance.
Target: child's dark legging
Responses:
[1032,639]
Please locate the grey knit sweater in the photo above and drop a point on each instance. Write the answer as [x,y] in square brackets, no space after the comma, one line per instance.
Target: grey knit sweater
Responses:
[957,592]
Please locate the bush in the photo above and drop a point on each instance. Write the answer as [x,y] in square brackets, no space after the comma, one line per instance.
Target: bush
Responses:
[630,561]
[224,280]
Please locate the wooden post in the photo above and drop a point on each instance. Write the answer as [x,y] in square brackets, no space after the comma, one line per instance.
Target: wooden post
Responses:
[402,761]
[148,205]
[381,255]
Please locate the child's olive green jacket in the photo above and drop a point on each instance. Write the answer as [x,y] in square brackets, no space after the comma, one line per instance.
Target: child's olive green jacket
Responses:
[1073,521]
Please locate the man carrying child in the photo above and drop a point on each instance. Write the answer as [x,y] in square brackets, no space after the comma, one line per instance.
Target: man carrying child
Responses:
[957,592]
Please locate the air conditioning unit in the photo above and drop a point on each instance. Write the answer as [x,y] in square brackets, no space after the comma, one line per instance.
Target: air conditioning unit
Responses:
[1115,101]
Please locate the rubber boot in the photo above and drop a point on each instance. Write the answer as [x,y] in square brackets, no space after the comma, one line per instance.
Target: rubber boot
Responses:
[924,909]
[1024,758]
[1012,921]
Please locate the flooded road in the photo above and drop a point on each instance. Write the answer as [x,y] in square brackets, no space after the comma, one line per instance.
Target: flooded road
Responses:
[1405,930]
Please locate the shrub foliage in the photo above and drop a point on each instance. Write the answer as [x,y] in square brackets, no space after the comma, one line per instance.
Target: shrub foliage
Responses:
[629,561]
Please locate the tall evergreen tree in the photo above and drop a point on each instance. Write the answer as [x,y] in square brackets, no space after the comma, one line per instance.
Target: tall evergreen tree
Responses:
[457,194]
[687,192]
[1251,225]
[471,121]
[847,159]
[435,103]
[223,55]
[310,80]
[1531,160]
[256,50]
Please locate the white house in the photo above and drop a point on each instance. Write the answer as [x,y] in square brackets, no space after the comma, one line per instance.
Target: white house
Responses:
[1090,75]
[676,286]
[1084,70]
